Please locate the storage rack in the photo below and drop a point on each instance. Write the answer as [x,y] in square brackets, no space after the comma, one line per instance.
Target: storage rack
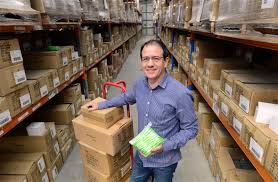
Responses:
[59,26]
[261,42]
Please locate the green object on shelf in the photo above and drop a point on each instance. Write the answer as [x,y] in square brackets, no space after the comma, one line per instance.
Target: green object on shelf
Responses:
[53,48]
[147,140]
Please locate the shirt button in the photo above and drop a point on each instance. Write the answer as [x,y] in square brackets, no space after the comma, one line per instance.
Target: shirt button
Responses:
[148,103]
[151,91]
[146,115]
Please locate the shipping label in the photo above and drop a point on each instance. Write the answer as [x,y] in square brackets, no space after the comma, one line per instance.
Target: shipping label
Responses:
[74,69]
[54,172]
[56,82]
[16,56]
[267,4]
[25,100]
[74,55]
[228,90]
[43,90]
[224,109]
[256,149]
[19,76]
[237,125]
[52,93]
[41,164]
[5,117]
[65,61]
[206,88]
[215,97]
[215,108]
[67,76]
[45,178]
[244,103]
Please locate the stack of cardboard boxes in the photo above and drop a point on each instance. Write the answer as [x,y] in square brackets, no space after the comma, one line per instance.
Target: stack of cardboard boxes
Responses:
[14,93]
[95,81]
[179,75]
[104,137]
[88,51]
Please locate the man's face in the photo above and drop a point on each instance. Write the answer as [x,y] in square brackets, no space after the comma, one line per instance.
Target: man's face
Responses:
[152,61]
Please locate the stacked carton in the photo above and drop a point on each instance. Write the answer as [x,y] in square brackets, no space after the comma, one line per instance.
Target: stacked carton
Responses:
[94,83]
[39,138]
[88,51]
[14,93]
[98,42]
[104,143]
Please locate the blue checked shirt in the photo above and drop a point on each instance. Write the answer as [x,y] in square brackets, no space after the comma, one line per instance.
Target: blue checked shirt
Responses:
[169,107]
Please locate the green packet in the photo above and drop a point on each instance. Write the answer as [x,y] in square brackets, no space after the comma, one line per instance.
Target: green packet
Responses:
[147,140]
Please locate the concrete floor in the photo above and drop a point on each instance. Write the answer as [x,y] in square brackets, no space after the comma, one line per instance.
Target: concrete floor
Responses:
[192,168]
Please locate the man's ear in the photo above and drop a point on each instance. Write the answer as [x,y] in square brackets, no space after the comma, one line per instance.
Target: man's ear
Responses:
[166,62]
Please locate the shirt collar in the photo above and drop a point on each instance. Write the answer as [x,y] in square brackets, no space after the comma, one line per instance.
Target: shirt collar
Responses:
[162,83]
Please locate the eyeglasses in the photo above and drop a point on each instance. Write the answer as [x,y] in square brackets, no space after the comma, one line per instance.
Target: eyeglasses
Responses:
[155,59]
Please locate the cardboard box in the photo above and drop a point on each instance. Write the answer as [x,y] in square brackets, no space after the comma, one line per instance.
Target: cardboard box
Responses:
[103,118]
[205,85]
[75,68]
[224,105]
[26,168]
[212,160]
[26,143]
[37,158]
[120,175]
[271,159]
[192,71]
[60,113]
[51,155]
[18,101]
[51,75]
[88,59]
[66,149]
[200,76]
[70,94]
[197,98]
[102,162]
[80,63]
[45,59]
[34,90]
[10,53]
[12,79]
[69,50]
[236,116]
[214,88]
[13,178]
[260,140]
[63,134]
[213,66]
[205,143]
[247,96]
[5,114]
[228,168]
[107,140]
[41,78]
[220,138]
[51,127]
[64,74]
[55,169]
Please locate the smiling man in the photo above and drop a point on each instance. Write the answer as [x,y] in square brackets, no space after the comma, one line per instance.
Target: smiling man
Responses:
[164,102]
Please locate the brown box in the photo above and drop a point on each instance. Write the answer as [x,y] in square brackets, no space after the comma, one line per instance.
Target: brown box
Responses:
[18,101]
[205,85]
[247,96]
[120,175]
[34,90]
[107,140]
[26,143]
[13,178]
[197,98]
[212,160]
[75,68]
[66,149]
[236,116]
[60,113]
[205,143]
[214,88]
[51,155]
[192,71]
[10,53]
[271,159]
[199,76]
[51,76]
[102,162]
[45,59]
[260,140]
[224,103]
[69,50]
[229,170]
[220,138]
[55,169]
[64,73]
[41,78]
[63,134]
[103,118]
[12,79]
[4,112]
[70,94]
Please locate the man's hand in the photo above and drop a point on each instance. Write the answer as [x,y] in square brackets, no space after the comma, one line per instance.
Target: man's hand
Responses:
[157,149]
[93,106]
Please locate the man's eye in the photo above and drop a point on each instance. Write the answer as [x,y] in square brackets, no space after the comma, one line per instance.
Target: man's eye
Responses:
[155,58]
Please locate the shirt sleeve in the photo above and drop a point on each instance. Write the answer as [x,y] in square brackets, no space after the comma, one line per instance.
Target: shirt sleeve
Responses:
[123,99]
[188,124]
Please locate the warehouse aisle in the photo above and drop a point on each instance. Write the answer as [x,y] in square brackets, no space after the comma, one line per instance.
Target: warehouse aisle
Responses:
[193,168]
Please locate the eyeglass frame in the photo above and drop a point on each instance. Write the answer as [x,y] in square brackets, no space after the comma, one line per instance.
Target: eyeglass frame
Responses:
[155,59]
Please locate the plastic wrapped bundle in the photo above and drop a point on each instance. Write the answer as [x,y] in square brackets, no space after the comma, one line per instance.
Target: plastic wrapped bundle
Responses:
[114,10]
[103,10]
[90,9]
[196,11]
[121,7]
[180,17]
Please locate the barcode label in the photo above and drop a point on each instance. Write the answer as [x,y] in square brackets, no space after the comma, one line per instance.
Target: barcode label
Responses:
[65,61]
[81,66]
[215,97]
[67,76]
[56,148]
[19,77]
[244,103]
[206,88]
[52,131]
[25,100]
[237,125]
[52,94]
[256,149]
[74,55]
[56,82]
[45,178]
[267,4]
[74,69]
[125,169]
[228,90]
[5,117]
[41,164]
[224,109]
[44,90]
[54,172]
[16,56]
[215,108]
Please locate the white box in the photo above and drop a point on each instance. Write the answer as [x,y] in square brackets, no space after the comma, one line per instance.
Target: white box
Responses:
[36,129]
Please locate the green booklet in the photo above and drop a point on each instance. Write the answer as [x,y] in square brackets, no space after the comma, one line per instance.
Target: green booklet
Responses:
[147,140]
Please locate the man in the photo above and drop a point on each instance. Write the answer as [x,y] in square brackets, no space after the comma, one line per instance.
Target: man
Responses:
[164,102]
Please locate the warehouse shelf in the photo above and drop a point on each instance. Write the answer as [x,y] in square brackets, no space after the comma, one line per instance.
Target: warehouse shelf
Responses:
[109,52]
[252,40]
[260,168]
[107,22]
[27,112]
